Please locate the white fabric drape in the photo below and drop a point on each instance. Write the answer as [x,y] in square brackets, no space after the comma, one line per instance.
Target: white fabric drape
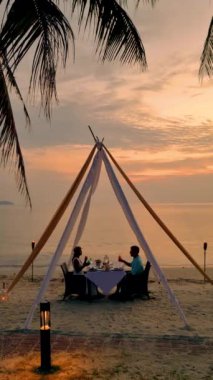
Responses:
[90,185]
[144,245]
[65,236]
[85,211]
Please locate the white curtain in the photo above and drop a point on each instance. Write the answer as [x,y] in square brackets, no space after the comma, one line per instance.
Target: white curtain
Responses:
[86,208]
[92,174]
[90,185]
[144,245]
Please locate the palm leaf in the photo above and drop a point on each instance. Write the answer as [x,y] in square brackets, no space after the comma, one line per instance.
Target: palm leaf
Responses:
[206,66]
[40,23]
[12,83]
[115,34]
[9,142]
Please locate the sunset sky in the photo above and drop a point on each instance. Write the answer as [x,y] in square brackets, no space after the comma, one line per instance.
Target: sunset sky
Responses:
[158,124]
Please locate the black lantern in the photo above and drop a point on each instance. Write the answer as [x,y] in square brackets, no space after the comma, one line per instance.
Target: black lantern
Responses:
[45,336]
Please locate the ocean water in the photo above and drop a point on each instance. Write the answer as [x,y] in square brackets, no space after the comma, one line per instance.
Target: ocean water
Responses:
[107,232]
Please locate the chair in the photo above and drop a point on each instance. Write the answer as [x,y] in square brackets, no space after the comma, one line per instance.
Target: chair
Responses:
[74,284]
[132,286]
[140,286]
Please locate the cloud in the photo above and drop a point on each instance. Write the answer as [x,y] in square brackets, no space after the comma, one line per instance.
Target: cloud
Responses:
[158,123]
[63,160]
[141,163]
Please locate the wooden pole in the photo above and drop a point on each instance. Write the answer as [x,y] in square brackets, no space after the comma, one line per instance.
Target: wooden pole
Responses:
[54,221]
[95,138]
[33,246]
[204,251]
[157,219]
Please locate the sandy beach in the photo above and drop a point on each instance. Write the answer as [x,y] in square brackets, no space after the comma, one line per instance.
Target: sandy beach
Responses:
[107,339]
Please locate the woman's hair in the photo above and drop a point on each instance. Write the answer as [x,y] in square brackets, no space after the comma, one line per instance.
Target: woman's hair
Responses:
[76,251]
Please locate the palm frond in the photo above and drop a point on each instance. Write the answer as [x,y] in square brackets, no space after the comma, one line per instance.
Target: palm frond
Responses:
[114,31]
[37,22]
[206,65]
[9,142]
[13,84]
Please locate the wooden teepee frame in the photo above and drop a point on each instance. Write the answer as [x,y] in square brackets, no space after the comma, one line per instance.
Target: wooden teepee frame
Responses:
[60,211]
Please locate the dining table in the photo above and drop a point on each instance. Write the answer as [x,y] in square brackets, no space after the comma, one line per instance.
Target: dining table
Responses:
[105,280]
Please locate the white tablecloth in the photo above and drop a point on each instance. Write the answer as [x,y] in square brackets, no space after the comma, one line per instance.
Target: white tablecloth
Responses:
[105,280]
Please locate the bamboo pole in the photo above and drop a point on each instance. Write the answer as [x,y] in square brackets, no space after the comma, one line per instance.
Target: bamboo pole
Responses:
[157,219]
[54,221]
[205,245]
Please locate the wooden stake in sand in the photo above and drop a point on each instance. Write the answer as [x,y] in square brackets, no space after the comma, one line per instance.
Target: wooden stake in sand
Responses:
[205,245]
[33,246]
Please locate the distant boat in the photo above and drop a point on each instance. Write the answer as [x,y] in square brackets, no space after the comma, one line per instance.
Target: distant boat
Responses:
[6,203]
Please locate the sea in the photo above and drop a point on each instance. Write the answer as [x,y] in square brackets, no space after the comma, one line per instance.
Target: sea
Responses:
[108,232]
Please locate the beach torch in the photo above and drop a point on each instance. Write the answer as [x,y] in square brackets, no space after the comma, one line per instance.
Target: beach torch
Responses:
[205,245]
[33,246]
[45,336]
[3,294]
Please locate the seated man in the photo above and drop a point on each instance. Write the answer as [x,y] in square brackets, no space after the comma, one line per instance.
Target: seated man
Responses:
[126,286]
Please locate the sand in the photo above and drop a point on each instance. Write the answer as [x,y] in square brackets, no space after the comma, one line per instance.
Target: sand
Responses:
[105,339]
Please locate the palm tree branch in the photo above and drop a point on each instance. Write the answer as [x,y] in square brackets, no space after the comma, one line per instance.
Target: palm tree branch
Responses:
[12,83]
[115,33]
[43,23]
[9,142]
[206,65]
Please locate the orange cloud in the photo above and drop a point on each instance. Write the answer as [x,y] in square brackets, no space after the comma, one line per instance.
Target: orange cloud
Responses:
[65,160]
[139,165]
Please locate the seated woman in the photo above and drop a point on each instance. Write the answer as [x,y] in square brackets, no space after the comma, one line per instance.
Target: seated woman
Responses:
[87,288]
[78,265]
